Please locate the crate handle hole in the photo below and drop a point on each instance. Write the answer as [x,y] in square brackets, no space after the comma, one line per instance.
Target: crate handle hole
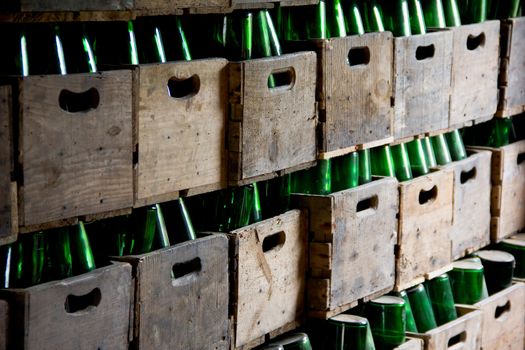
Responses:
[282,79]
[80,303]
[186,268]
[475,41]
[274,242]
[184,88]
[75,102]
[521,158]
[502,311]
[425,52]
[359,56]
[456,340]
[468,175]
[428,196]
[368,204]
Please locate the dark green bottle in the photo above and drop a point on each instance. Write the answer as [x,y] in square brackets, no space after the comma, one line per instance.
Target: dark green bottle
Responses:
[82,255]
[441,151]
[396,17]
[417,17]
[401,162]
[59,51]
[335,19]
[421,308]
[354,19]
[387,319]
[434,14]
[455,145]
[29,260]
[59,254]
[116,43]
[429,152]
[505,9]
[5,265]
[345,172]
[452,15]
[468,282]
[316,25]
[349,332]
[473,11]
[373,16]
[144,228]
[257,210]
[416,154]
[163,239]
[316,180]
[410,322]
[382,161]
[275,195]
[365,167]
[296,341]
[440,294]
[183,225]
[498,268]
[515,245]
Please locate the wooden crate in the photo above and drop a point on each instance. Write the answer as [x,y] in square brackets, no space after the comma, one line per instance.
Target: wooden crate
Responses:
[271,131]
[66,5]
[411,344]
[354,92]
[75,163]
[512,75]
[8,188]
[181,140]
[471,221]
[475,62]
[503,314]
[425,220]
[352,240]
[89,311]
[190,310]
[4,324]
[268,272]
[422,78]
[462,333]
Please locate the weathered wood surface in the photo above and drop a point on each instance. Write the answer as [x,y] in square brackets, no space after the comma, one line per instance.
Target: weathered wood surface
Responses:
[75,163]
[269,277]
[475,63]
[354,90]
[66,5]
[4,325]
[353,236]
[512,74]
[425,220]
[462,333]
[188,311]
[181,140]
[411,344]
[102,320]
[472,187]
[422,78]
[8,188]
[271,129]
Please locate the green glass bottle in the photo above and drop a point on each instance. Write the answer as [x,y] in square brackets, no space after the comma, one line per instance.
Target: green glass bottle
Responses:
[82,255]
[416,155]
[116,43]
[87,46]
[396,17]
[59,252]
[515,245]
[365,167]
[274,37]
[429,152]
[434,14]
[410,321]
[441,151]
[504,9]
[144,228]
[335,19]
[452,15]
[421,308]
[5,265]
[373,16]
[350,332]
[498,268]
[275,195]
[316,180]
[473,11]
[59,51]
[468,282]
[382,161]
[345,172]
[401,162]
[455,145]
[183,49]
[316,24]
[240,207]
[163,239]
[188,231]
[257,210]
[440,294]
[33,259]
[501,133]
[417,17]
[354,20]
[296,341]
[387,319]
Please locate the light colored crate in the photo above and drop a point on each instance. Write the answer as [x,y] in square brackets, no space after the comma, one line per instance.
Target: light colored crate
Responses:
[271,130]
[89,311]
[353,236]
[462,333]
[422,78]
[268,261]
[425,220]
[167,5]
[182,291]
[181,140]
[75,145]
[475,60]
[512,74]
[8,188]
[67,5]
[411,344]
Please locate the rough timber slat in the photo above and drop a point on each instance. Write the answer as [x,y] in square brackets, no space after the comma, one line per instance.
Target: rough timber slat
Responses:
[8,188]
[181,141]
[411,344]
[79,16]
[4,324]
[475,63]
[75,164]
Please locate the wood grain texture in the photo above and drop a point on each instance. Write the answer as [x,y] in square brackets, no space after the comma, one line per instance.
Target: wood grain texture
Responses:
[424,245]
[8,188]
[512,74]
[471,221]
[75,163]
[66,5]
[4,324]
[189,312]
[411,344]
[505,331]
[474,73]
[355,100]
[168,4]
[277,126]
[41,321]
[422,87]
[467,326]
[352,249]
[181,141]
[268,287]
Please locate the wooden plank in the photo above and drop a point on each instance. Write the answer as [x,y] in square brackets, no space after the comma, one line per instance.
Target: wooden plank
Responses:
[102,319]
[278,124]
[199,297]
[8,188]
[411,344]
[472,218]
[4,324]
[355,86]
[66,5]
[462,333]
[180,4]
[269,276]
[422,85]
[357,258]
[75,163]
[425,219]
[474,73]
[181,140]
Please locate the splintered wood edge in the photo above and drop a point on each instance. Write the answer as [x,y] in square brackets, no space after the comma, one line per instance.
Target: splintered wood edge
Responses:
[268,336]
[82,16]
[242,182]
[345,151]
[326,314]
[398,287]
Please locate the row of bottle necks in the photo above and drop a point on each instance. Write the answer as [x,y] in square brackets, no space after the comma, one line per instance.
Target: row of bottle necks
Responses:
[64,252]
[35,49]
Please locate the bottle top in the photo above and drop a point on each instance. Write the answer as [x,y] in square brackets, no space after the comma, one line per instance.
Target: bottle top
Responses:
[443,277]
[297,338]
[388,300]
[517,241]
[496,256]
[415,289]
[349,320]
[468,265]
